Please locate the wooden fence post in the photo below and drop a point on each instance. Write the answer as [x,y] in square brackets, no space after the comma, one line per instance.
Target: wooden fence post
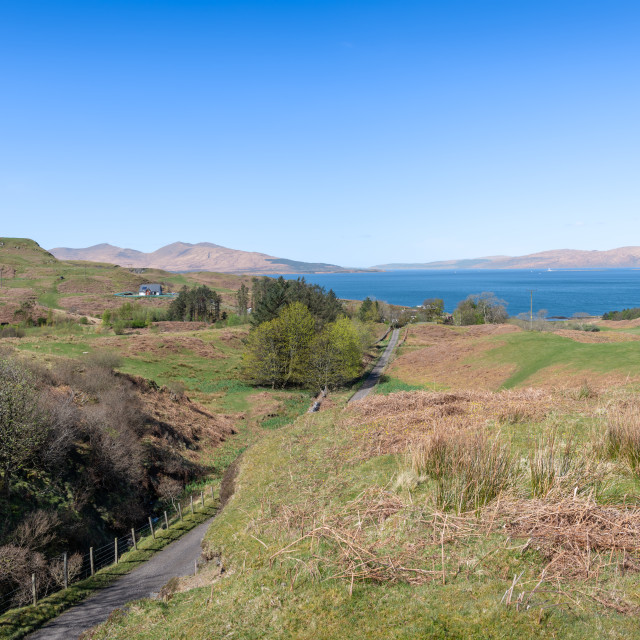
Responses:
[115,550]
[91,561]
[166,520]
[133,537]
[34,593]
[192,505]
[180,510]
[211,486]
[65,563]
[202,498]
[153,533]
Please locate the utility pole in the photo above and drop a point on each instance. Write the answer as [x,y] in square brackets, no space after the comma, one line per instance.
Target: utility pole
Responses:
[531,310]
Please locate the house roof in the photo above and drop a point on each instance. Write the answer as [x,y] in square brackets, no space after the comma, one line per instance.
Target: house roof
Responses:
[156,288]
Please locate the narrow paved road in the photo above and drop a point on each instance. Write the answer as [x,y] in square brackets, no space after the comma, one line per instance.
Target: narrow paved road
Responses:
[177,559]
[375,374]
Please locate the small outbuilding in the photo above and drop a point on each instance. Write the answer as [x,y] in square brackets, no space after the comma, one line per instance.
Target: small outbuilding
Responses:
[150,290]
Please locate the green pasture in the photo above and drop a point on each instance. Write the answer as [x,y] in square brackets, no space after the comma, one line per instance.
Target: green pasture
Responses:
[532,352]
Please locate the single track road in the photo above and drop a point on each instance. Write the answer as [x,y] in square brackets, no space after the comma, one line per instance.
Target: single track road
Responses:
[375,374]
[177,559]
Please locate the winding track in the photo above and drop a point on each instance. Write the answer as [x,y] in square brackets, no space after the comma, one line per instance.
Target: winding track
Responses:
[375,374]
[176,559]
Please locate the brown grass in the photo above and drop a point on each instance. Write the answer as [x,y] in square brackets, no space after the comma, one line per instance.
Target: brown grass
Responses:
[593,338]
[443,355]
[577,536]
[387,424]
[623,434]
[160,345]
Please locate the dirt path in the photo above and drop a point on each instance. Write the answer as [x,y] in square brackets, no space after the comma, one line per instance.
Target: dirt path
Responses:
[177,559]
[375,374]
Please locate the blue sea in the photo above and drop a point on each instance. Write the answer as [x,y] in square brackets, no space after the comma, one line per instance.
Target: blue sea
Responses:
[560,292]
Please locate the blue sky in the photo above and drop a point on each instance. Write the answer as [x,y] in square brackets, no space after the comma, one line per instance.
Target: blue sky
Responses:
[348,132]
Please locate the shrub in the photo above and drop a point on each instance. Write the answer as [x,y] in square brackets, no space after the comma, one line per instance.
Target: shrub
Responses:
[625,314]
[133,316]
[481,308]
[74,568]
[12,332]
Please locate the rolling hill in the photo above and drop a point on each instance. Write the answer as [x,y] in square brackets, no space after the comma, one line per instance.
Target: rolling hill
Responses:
[203,256]
[621,258]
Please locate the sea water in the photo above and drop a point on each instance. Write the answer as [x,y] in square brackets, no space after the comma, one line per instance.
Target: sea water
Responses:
[560,292]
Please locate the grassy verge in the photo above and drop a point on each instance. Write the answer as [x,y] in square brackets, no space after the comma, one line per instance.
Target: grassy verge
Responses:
[17,623]
[388,384]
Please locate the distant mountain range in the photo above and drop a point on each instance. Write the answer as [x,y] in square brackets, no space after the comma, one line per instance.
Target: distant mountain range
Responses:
[204,256]
[622,258]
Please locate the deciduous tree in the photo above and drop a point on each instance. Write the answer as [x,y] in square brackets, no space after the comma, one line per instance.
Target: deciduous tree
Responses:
[481,308]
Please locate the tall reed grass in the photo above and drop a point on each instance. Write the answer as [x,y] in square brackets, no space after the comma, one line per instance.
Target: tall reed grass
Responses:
[467,471]
[622,439]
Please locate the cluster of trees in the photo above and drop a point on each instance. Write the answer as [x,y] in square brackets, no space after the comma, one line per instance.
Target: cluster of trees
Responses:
[132,316]
[625,314]
[301,335]
[433,309]
[270,296]
[370,311]
[481,308]
[197,304]
[294,348]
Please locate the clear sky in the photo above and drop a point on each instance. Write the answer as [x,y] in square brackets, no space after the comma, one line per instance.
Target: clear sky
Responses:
[354,132]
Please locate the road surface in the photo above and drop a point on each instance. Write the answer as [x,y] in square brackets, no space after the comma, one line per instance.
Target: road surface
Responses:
[177,559]
[375,374]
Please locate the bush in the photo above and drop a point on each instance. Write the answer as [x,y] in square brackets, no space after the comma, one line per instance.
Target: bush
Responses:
[625,314]
[481,308]
[234,320]
[132,316]
[12,332]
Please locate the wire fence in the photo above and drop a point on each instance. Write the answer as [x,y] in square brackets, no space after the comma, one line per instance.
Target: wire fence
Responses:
[58,572]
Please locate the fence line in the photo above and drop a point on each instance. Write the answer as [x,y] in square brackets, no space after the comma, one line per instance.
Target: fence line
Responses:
[66,569]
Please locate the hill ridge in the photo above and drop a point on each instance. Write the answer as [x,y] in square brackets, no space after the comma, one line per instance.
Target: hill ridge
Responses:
[620,258]
[202,256]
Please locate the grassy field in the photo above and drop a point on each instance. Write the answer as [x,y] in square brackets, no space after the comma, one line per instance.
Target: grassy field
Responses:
[531,353]
[355,524]
[505,357]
